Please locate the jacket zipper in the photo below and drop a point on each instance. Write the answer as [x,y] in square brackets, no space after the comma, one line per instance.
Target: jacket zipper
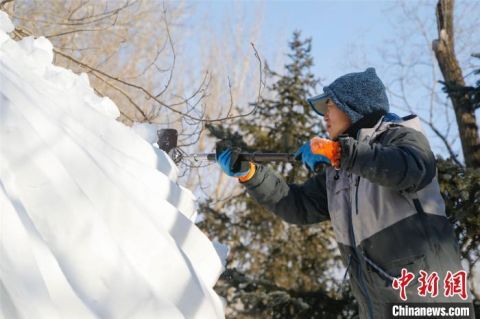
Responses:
[358,256]
[340,288]
[357,182]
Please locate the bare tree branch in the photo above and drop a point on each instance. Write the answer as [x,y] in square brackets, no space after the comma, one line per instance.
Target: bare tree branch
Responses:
[150,95]
[122,92]
[170,41]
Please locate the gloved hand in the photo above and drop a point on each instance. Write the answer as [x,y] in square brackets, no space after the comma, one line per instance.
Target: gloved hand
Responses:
[229,161]
[319,150]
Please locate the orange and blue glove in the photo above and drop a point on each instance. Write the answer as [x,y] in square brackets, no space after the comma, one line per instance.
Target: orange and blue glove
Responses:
[319,151]
[228,158]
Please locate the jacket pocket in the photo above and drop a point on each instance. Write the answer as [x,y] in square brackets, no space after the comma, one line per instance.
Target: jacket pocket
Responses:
[412,263]
[382,287]
[393,268]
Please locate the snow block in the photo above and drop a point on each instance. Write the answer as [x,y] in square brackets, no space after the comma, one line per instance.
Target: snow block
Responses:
[93,223]
[5,24]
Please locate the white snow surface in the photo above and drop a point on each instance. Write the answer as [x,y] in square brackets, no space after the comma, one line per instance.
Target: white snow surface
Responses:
[147,131]
[92,221]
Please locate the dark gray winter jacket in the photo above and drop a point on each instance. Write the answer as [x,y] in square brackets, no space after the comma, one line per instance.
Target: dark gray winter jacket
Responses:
[385,207]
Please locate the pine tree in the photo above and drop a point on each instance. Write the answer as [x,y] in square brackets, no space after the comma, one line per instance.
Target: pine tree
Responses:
[279,270]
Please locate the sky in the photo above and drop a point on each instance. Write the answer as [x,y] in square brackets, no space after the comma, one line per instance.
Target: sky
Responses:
[348,36]
[333,25]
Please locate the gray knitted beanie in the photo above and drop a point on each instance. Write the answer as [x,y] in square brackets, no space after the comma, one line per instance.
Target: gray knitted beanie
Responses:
[356,94]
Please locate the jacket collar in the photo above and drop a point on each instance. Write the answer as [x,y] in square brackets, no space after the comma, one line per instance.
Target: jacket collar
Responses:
[367,121]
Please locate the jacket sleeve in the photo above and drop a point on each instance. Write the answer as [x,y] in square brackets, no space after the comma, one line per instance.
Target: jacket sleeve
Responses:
[296,204]
[400,159]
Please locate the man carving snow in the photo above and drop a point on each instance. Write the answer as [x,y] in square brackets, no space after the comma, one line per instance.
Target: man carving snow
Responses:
[379,189]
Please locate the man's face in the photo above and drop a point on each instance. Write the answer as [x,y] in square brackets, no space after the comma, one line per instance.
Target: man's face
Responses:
[337,121]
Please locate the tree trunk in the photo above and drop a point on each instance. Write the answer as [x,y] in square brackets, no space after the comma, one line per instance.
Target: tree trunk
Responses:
[452,73]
